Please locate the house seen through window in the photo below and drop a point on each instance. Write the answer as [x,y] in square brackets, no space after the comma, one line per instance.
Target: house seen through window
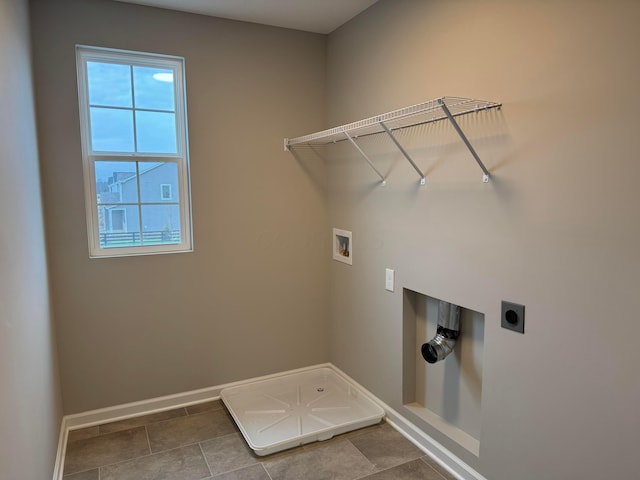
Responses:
[133,125]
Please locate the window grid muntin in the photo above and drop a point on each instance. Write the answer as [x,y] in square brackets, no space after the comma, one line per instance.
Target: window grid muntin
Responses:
[111,107]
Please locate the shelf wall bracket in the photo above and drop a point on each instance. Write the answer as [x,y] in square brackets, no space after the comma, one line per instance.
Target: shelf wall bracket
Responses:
[445,109]
[364,155]
[404,152]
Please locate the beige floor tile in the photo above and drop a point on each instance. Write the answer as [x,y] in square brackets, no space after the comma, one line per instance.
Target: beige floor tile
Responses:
[414,470]
[83,434]
[88,475]
[227,453]
[385,447]
[433,464]
[185,463]
[201,442]
[105,449]
[204,407]
[254,472]
[335,461]
[142,420]
[182,431]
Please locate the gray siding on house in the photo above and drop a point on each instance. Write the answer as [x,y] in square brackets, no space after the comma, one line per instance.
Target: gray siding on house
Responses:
[155,218]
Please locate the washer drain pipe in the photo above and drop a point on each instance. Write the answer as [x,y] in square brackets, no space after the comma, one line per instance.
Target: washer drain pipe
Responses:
[442,344]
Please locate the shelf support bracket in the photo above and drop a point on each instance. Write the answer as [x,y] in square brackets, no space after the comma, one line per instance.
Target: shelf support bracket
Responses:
[364,155]
[404,152]
[445,109]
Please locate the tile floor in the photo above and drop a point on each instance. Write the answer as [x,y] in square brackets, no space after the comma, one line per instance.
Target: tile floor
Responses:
[201,442]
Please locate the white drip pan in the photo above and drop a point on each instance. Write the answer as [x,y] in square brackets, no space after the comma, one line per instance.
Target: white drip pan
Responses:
[292,410]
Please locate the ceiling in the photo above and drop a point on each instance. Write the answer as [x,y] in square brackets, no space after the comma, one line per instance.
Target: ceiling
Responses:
[319,16]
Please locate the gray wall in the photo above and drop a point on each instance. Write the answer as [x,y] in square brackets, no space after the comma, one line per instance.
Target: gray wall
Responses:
[251,299]
[557,228]
[30,400]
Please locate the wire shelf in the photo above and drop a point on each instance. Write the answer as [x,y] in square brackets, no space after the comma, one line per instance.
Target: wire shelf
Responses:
[432,111]
[420,114]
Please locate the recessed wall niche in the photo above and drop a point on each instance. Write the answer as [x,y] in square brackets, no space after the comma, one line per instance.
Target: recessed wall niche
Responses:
[343,246]
[445,395]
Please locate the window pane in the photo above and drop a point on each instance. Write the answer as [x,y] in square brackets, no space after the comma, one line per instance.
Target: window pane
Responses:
[119,226]
[116,182]
[156,178]
[166,191]
[153,88]
[156,132]
[161,224]
[109,84]
[111,130]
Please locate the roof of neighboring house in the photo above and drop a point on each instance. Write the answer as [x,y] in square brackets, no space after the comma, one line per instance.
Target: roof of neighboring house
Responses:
[122,176]
[157,165]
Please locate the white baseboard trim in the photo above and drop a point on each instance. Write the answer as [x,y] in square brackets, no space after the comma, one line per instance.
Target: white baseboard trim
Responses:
[62,445]
[440,454]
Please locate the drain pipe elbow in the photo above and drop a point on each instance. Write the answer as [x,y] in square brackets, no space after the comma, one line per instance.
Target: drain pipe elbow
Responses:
[448,331]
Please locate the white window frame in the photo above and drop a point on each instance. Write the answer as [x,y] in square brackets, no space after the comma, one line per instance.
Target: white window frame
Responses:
[86,54]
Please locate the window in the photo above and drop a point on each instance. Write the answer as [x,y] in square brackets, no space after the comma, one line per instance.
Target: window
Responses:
[165,191]
[134,148]
[118,218]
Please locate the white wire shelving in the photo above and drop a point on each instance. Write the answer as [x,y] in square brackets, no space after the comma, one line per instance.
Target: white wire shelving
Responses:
[423,113]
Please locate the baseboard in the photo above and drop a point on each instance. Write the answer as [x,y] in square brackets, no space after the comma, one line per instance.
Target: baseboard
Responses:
[62,444]
[441,455]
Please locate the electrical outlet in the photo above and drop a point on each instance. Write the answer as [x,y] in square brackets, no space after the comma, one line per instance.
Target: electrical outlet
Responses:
[512,316]
[389,279]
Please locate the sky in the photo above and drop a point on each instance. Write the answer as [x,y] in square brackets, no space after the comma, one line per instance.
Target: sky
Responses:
[131,108]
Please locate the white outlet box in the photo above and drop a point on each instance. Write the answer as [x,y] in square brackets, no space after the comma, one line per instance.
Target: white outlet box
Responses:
[389,279]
